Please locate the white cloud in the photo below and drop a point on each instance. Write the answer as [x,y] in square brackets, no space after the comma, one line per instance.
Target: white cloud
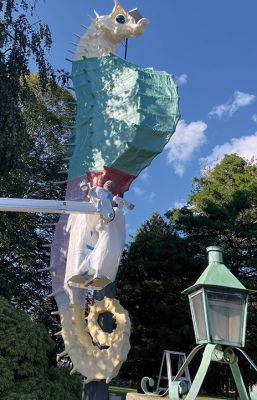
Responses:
[186,140]
[179,204]
[254,118]
[181,79]
[245,146]
[145,176]
[143,195]
[239,99]
[138,191]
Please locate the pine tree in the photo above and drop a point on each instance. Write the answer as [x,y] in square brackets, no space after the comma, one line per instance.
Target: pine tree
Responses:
[26,361]
[154,270]
[222,210]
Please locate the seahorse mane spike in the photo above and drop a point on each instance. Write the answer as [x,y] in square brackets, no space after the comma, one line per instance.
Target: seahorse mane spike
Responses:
[96,14]
[118,9]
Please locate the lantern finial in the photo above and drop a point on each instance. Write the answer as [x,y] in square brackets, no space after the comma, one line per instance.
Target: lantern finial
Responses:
[215,254]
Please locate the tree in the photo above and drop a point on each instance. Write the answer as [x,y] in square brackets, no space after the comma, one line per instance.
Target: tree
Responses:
[26,361]
[34,112]
[166,257]
[222,210]
[22,38]
[46,115]
[154,270]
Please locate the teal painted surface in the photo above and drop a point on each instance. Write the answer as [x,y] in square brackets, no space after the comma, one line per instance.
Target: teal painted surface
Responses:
[216,274]
[202,370]
[238,379]
[217,279]
[219,275]
[125,115]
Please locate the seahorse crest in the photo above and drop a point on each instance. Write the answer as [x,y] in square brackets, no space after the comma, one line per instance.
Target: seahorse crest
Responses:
[106,31]
[118,10]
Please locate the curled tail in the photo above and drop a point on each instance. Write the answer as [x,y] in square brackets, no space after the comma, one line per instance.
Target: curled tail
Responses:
[95,354]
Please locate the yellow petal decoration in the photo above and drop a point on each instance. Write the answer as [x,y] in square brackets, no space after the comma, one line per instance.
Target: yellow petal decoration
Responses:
[79,336]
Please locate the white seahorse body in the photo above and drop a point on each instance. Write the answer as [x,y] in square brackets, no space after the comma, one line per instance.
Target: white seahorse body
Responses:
[107,31]
[68,249]
[100,40]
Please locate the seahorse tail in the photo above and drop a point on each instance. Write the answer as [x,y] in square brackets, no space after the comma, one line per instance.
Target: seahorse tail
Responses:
[84,339]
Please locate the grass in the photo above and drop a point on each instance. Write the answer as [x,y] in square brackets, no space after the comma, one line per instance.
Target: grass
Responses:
[122,391]
[212,398]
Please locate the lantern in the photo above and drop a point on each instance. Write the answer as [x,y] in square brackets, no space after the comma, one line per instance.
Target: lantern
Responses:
[218,303]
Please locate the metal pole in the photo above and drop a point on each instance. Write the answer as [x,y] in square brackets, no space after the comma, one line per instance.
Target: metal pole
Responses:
[239,381]
[126,49]
[99,390]
[95,391]
[47,206]
[200,375]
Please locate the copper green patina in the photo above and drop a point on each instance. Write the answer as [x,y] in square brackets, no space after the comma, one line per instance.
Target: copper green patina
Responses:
[218,304]
[216,274]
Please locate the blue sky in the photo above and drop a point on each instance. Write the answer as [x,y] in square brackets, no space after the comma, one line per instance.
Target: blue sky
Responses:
[211,47]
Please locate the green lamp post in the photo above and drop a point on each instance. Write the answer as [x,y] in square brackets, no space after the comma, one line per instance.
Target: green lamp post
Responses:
[218,303]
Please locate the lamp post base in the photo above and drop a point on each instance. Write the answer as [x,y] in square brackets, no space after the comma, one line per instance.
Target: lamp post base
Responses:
[212,352]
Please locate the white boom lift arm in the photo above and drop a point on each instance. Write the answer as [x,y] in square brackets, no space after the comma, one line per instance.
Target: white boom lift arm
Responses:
[63,206]
[47,206]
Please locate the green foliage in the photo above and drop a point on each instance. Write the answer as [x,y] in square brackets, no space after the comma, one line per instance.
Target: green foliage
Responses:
[33,118]
[21,40]
[168,256]
[154,270]
[26,354]
[222,210]
[42,156]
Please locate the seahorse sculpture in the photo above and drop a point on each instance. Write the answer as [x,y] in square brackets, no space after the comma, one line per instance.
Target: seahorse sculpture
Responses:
[125,116]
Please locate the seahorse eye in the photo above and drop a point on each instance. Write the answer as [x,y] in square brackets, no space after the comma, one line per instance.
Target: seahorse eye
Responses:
[120,19]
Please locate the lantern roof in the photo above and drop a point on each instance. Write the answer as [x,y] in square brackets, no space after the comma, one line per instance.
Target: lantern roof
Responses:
[216,274]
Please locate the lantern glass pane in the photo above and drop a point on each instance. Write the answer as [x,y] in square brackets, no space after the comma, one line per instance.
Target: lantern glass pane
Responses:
[226,313]
[198,314]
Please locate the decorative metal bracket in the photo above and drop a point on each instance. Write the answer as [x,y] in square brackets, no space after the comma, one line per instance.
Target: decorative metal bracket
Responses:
[212,352]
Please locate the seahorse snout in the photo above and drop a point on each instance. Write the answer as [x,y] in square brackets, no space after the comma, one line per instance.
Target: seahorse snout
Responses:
[144,22]
[141,25]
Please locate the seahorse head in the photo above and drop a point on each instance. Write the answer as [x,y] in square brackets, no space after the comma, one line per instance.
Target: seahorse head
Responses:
[119,24]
